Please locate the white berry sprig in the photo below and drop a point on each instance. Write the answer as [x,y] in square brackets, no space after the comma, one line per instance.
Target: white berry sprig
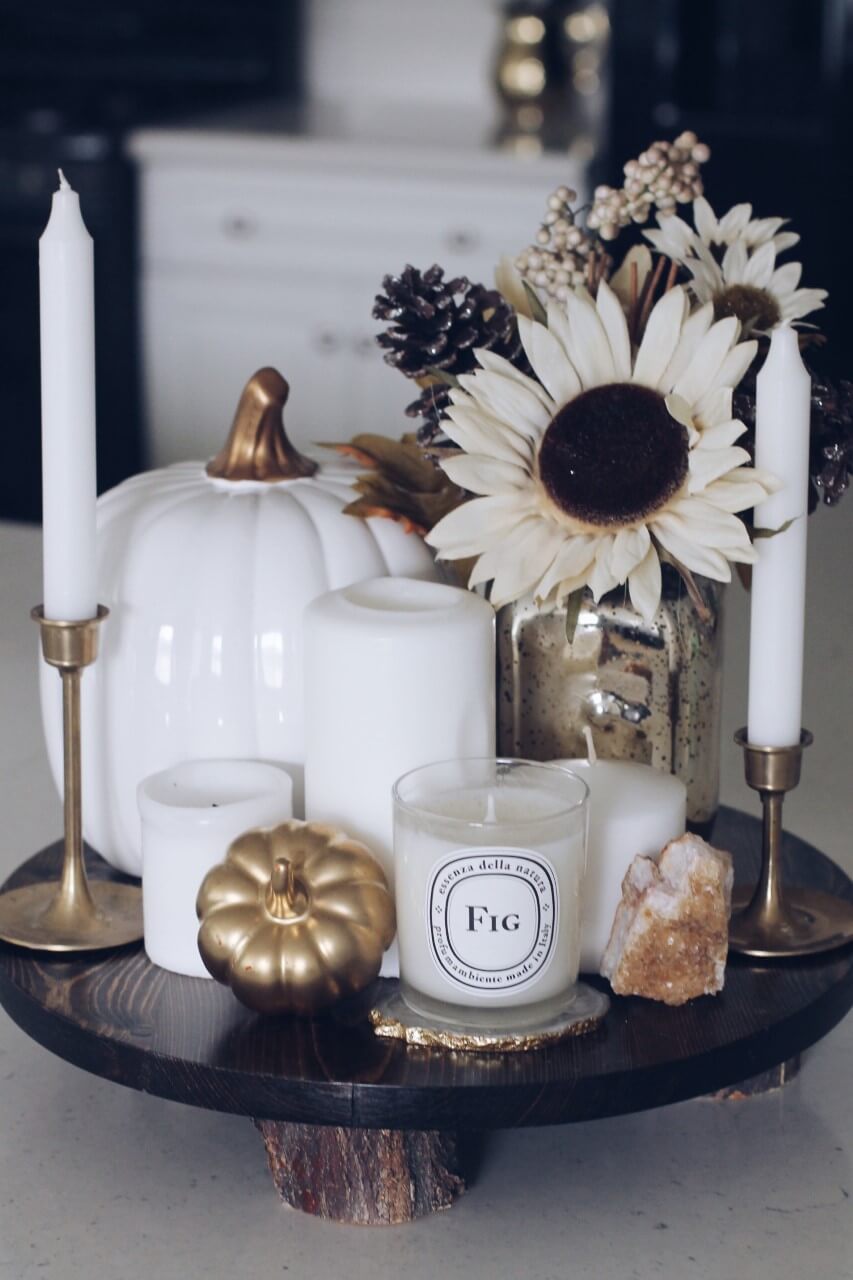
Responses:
[666,174]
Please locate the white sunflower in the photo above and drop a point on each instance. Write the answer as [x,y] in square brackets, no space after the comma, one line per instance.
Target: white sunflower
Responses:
[743,280]
[610,460]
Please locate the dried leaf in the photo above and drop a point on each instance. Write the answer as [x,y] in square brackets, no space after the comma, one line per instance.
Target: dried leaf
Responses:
[536,308]
[403,483]
[441,375]
[771,533]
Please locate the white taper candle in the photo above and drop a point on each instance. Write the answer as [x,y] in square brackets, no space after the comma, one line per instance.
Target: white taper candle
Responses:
[777,625]
[67,300]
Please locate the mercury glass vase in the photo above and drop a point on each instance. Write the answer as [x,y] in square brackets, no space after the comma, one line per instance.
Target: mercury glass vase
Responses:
[648,691]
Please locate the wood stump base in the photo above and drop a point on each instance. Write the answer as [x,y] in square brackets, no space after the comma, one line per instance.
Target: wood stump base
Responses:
[387,1177]
[364,1177]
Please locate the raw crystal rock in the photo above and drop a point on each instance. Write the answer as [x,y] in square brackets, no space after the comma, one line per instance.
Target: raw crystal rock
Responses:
[670,933]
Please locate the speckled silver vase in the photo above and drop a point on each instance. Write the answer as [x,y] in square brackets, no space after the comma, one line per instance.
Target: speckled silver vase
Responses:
[649,692]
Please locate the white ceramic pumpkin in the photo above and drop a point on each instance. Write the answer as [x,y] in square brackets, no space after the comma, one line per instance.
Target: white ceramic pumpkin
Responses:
[206,577]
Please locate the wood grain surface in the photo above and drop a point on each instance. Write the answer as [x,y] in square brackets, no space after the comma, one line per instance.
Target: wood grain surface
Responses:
[188,1039]
[364,1177]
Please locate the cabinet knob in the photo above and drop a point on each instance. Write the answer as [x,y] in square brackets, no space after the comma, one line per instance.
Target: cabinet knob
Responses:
[327,343]
[364,346]
[461,241]
[239,227]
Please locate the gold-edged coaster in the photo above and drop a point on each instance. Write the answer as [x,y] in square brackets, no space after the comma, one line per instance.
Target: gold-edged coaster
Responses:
[583,1011]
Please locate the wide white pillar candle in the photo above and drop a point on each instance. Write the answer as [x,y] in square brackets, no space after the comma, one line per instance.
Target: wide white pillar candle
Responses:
[398,673]
[633,809]
[778,604]
[67,301]
[489,877]
[190,815]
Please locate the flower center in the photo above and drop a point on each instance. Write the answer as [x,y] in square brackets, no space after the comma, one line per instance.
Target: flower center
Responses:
[752,306]
[613,455]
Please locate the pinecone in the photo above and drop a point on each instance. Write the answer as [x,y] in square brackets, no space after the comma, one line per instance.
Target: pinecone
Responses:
[435,327]
[831,460]
[831,448]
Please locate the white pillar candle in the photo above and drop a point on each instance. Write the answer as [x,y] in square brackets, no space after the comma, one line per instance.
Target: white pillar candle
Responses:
[190,815]
[778,604]
[398,673]
[489,874]
[633,809]
[67,301]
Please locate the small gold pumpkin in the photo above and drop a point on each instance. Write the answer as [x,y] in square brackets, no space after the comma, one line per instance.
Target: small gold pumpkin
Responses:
[296,918]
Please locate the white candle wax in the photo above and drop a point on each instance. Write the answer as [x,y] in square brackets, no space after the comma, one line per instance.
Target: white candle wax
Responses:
[67,301]
[398,673]
[633,809]
[778,604]
[488,886]
[190,815]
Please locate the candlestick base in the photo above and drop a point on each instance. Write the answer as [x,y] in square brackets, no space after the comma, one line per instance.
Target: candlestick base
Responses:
[770,921]
[38,916]
[71,914]
[813,922]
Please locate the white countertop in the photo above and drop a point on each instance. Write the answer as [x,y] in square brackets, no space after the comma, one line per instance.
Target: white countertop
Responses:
[99,1181]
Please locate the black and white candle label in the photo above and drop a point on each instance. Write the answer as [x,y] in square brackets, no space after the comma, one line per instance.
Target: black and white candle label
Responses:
[492,918]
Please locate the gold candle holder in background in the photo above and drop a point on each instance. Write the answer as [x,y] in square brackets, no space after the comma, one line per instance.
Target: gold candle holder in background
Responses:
[775,921]
[71,914]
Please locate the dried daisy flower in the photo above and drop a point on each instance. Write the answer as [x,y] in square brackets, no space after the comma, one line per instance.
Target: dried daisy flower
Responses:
[733,264]
[663,176]
[678,240]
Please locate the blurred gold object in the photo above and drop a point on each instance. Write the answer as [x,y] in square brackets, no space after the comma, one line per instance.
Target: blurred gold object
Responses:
[257,447]
[551,72]
[296,918]
[773,921]
[71,914]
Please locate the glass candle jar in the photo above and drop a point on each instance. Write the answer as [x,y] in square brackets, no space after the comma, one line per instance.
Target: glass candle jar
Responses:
[490,858]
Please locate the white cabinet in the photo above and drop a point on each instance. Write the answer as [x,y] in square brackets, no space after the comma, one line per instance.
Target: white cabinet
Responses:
[269,250]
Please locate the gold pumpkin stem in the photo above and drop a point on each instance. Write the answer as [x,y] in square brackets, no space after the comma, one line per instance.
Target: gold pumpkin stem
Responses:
[282,893]
[257,447]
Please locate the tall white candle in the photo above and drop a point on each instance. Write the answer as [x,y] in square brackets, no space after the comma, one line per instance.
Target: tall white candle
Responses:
[633,809]
[67,300]
[778,607]
[398,674]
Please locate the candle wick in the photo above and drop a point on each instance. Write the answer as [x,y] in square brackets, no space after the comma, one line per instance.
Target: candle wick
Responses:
[591,755]
[64,184]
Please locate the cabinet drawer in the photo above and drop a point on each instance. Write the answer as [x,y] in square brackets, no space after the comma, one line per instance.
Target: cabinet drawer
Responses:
[328,221]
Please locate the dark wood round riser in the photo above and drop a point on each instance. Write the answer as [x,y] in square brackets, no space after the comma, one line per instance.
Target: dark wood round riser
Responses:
[188,1039]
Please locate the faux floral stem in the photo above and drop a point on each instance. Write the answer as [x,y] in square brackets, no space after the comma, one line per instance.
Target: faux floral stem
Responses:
[648,297]
[703,613]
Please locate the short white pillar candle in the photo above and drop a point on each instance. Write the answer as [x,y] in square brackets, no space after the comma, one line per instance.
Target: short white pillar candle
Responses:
[633,809]
[398,673]
[190,815]
[490,861]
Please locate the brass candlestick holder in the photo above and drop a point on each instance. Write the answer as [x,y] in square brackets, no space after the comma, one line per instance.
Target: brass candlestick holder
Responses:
[71,914]
[774,921]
